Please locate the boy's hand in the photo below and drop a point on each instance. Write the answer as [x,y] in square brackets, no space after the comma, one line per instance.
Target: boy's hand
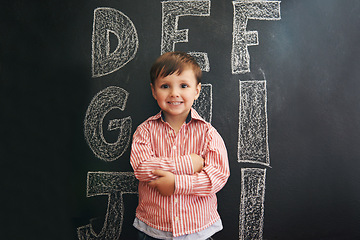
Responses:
[198,162]
[165,184]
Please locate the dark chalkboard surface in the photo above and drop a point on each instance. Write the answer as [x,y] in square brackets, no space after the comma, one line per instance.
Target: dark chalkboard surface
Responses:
[280,83]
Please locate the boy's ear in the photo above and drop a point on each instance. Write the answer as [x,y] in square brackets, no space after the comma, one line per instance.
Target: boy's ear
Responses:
[198,89]
[153,90]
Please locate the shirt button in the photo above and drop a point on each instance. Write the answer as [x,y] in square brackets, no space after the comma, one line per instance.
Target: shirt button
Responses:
[174,147]
[176,218]
[175,200]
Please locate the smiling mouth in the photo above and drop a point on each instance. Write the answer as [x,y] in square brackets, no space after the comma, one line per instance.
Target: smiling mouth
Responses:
[175,103]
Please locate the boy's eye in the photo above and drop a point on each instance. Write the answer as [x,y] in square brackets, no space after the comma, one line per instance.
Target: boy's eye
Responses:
[184,85]
[164,86]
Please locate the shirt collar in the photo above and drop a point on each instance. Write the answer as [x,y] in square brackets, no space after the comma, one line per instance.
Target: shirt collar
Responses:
[193,115]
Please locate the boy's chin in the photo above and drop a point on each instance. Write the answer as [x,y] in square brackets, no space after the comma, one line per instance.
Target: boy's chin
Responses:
[176,113]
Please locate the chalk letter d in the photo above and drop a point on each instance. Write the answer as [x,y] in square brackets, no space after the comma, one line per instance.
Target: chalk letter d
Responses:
[111,21]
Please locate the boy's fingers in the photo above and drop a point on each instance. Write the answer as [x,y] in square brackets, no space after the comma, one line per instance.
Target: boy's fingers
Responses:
[159,173]
[152,184]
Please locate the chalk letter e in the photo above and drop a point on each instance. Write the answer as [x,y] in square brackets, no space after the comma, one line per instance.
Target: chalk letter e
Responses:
[171,11]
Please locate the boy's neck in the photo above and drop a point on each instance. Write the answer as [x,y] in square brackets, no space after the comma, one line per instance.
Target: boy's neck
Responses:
[176,121]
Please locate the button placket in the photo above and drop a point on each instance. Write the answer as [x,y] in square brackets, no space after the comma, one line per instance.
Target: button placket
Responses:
[176,211]
[171,140]
[174,142]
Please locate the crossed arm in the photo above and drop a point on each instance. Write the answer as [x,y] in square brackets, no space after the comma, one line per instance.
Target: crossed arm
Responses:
[188,174]
[165,183]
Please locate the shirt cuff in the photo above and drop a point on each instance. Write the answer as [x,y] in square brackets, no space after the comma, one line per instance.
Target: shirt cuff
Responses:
[183,184]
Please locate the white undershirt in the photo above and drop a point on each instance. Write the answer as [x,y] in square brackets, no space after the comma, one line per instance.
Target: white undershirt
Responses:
[156,233]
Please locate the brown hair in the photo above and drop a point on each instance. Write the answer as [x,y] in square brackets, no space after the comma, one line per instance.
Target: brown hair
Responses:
[174,62]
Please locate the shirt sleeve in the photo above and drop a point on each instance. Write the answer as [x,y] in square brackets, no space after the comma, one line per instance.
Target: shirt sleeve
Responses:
[215,173]
[144,161]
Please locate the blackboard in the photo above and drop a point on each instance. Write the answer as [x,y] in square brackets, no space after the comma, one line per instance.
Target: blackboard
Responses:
[281,85]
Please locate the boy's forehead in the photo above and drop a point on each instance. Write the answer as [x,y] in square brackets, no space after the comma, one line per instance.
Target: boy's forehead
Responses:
[187,74]
[180,69]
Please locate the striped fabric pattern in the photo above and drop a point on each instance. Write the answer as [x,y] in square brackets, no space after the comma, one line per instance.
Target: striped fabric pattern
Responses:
[193,206]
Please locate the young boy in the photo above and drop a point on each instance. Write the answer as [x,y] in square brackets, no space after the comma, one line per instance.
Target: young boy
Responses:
[180,160]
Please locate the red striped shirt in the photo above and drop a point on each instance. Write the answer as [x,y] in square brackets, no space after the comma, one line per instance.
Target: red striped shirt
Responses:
[193,206]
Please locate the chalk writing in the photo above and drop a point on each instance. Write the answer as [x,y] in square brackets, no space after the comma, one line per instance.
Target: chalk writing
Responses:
[105,101]
[171,11]
[244,10]
[202,59]
[111,21]
[253,127]
[203,105]
[113,184]
[252,203]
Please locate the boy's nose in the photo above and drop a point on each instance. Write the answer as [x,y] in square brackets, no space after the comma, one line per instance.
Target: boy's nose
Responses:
[174,93]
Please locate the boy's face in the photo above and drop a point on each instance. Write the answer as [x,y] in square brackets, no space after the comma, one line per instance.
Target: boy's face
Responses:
[175,94]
